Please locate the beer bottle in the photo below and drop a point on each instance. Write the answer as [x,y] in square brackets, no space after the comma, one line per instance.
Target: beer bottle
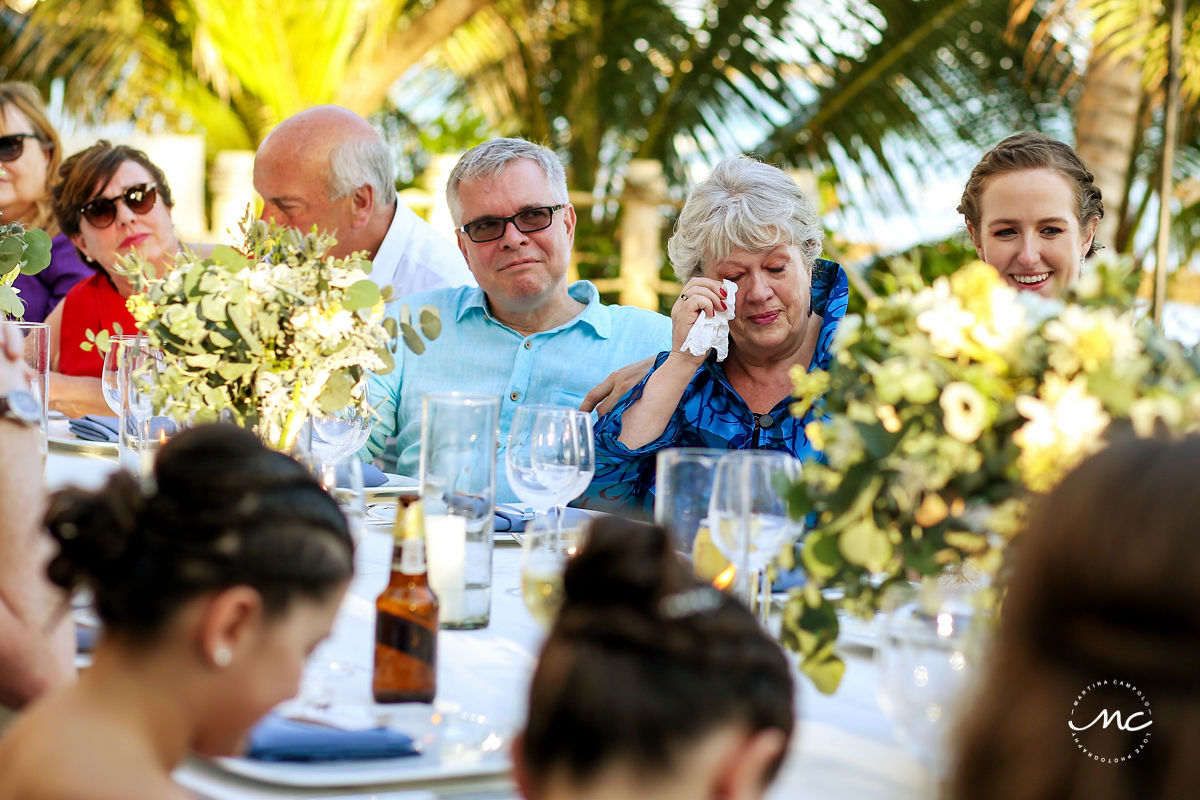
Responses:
[406,620]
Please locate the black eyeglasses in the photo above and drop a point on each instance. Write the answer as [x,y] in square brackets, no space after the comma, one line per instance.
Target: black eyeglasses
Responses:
[102,211]
[12,146]
[530,220]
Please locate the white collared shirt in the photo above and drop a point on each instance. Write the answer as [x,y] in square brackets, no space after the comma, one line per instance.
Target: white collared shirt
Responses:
[414,258]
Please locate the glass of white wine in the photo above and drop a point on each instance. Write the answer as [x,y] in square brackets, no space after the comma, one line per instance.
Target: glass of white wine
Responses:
[545,552]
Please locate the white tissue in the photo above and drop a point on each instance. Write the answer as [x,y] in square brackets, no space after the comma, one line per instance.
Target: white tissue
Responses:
[712,332]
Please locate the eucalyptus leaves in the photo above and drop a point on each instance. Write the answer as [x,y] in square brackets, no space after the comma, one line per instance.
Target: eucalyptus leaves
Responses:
[269,334]
[22,252]
[947,407]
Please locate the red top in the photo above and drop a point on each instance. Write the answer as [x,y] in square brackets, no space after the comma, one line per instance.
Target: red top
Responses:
[92,303]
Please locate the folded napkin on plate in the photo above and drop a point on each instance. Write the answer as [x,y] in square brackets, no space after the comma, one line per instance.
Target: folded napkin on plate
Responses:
[712,332]
[92,428]
[513,518]
[372,476]
[277,738]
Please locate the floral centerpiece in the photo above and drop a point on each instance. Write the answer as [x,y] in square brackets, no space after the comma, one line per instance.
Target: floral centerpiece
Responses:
[265,335]
[22,251]
[948,408]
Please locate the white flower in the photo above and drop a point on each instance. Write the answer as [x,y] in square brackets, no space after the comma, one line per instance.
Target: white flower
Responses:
[1085,340]
[943,318]
[1065,424]
[964,411]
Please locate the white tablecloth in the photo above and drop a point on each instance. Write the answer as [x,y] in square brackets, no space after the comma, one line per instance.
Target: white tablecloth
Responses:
[843,749]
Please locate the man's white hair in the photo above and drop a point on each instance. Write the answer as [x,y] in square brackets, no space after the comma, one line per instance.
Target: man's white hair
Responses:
[744,205]
[493,156]
[362,161]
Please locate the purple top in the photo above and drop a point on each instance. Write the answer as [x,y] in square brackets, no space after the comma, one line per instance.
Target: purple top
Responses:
[42,292]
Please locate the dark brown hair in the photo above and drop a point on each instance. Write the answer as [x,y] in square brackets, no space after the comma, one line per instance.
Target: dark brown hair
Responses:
[1105,585]
[1032,150]
[80,174]
[25,98]
[226,511]
[643,660]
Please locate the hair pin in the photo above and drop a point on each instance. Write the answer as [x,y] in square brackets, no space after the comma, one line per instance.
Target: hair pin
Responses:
[697,600]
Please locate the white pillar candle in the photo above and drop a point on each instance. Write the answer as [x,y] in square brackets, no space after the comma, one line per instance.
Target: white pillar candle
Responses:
[446,553]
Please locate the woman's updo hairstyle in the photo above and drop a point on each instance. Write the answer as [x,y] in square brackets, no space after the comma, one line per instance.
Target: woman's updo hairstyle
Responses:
[644,660]
[226,511]
[1033,150]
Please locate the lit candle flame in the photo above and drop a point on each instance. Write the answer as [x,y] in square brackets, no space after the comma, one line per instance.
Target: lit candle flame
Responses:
[162,437]
[725,577]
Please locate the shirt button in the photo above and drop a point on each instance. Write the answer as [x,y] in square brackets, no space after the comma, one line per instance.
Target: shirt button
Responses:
[527,344]
[514,395]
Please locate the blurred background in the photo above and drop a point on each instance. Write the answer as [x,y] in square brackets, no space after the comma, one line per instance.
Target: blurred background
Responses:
[879,108]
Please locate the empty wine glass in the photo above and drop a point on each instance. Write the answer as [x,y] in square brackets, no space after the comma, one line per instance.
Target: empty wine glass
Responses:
[337,435]
[748,516]
[542,458]
[586,468]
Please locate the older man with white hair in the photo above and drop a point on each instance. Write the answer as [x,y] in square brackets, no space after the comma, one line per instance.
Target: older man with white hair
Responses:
[327,167]
[524,333]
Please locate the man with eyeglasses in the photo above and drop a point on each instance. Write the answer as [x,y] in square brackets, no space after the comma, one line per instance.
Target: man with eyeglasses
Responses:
[327,167]
[524,333]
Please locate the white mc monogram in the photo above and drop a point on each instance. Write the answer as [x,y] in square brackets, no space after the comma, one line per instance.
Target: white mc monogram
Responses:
[1109,717]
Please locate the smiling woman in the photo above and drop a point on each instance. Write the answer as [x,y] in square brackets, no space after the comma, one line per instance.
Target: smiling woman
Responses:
[1032,208]
[750,224]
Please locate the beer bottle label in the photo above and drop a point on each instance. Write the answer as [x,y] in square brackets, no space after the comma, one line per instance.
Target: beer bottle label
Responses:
[412,556]
[405,636]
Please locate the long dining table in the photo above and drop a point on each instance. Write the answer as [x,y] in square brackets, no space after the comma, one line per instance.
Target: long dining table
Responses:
[843,746]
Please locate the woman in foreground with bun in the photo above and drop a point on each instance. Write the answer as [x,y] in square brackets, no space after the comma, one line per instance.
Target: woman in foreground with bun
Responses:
[651,684]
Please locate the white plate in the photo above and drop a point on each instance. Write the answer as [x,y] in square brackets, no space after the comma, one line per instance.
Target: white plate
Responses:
[396,485]
[453,745]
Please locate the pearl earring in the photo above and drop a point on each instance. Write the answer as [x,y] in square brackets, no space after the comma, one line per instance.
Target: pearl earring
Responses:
[222,657]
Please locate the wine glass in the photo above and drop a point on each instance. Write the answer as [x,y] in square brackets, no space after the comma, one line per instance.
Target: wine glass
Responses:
[586,469]
[110,382]
[542,458]
[748,516]
[337,435]
[544,556]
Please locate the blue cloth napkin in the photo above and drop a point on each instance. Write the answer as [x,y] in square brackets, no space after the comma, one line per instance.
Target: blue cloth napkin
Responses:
[371,475]
[277,738]
[93,428]
[512,520]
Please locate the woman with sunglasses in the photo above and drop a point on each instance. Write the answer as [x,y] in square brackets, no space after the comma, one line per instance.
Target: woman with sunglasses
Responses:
[29,156]
[110,200]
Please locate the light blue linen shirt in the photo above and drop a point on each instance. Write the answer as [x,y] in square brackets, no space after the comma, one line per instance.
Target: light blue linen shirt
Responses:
[477,354]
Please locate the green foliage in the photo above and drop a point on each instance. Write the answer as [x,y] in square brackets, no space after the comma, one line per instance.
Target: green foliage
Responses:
[948,407]
[22,252]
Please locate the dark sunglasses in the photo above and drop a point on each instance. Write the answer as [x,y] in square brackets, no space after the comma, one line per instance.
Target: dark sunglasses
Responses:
[102,211]
[12,146]
[528,221]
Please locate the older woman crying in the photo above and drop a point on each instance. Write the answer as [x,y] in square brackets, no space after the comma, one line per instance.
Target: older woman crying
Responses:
[748,223]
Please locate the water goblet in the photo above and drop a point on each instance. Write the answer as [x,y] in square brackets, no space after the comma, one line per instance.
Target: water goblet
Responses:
[340,434]
[748,516]
[110,383]
[542,457]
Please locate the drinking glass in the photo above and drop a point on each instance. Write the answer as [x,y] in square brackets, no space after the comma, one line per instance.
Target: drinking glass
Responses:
[929,640]
[340,434]
[748,516]
[544,555]
[343,480]
[142,433]
[110,373]
[458,496]
[683,484]
[542,458]
[586,462]
[36,336]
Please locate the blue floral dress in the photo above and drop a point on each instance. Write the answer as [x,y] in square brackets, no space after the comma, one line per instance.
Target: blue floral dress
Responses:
[711,414]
